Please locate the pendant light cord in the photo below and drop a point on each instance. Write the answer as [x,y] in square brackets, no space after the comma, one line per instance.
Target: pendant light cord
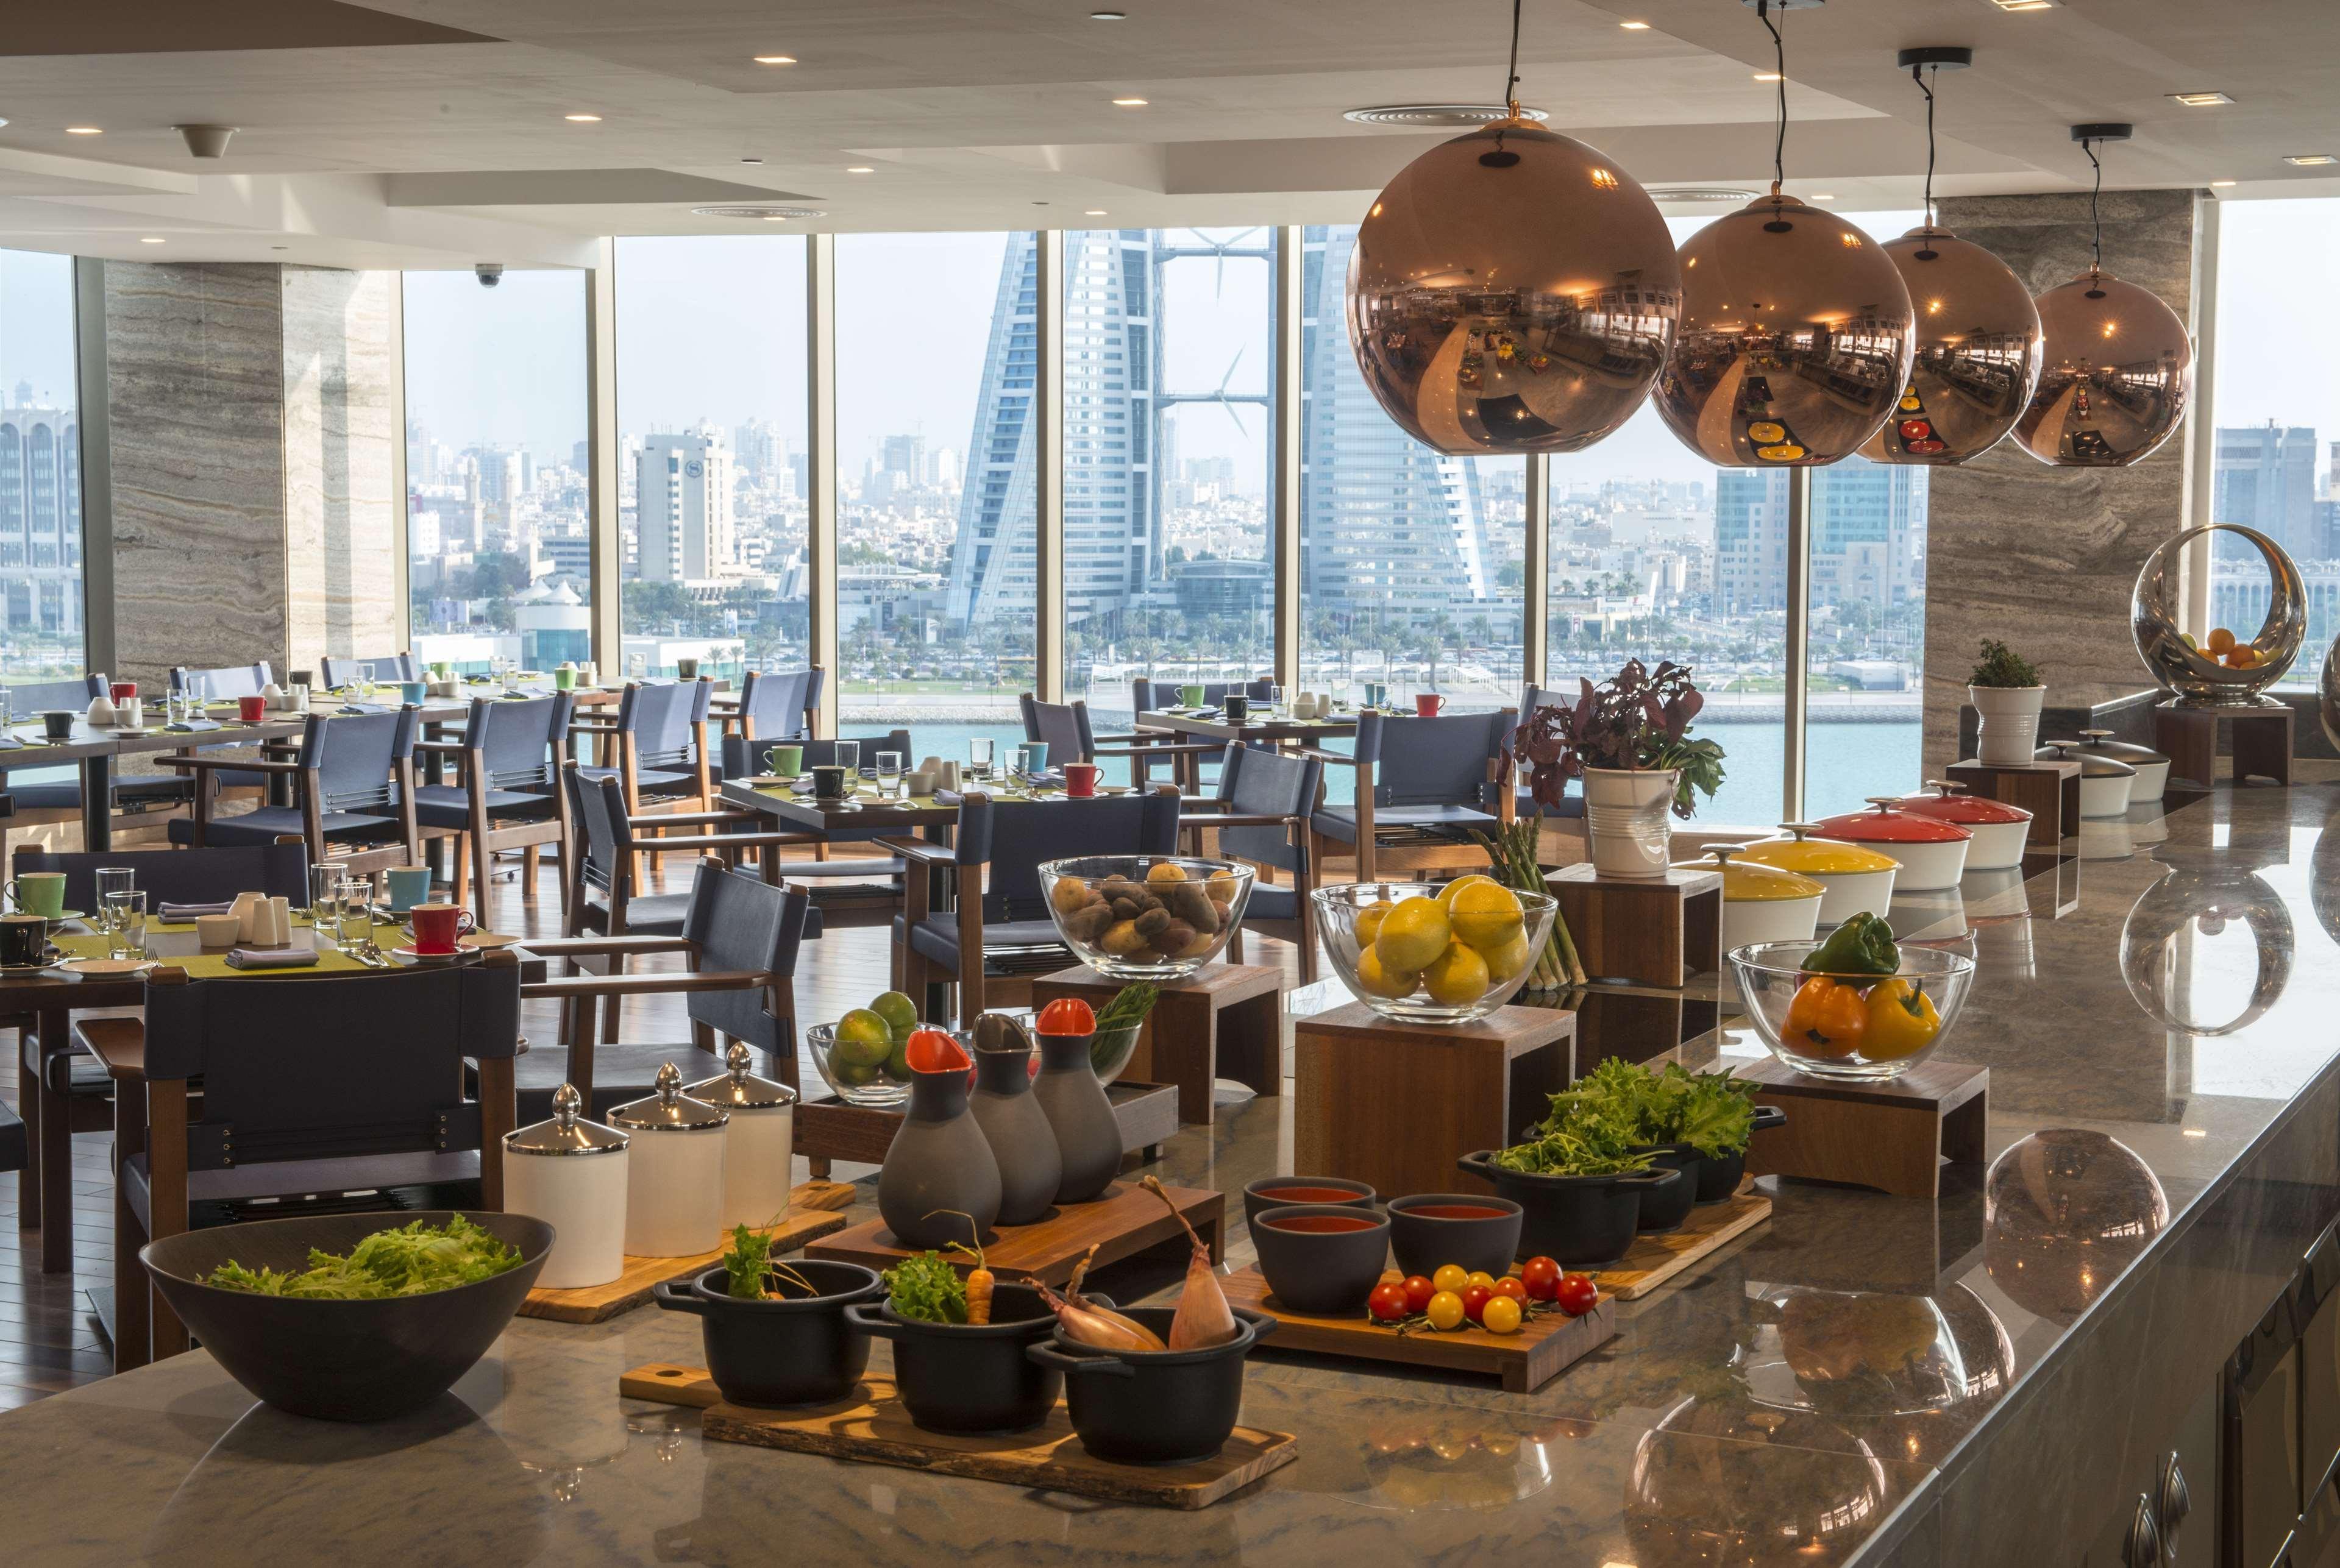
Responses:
[2095,223]
[1512,73]
[1918,74]
[1779,125]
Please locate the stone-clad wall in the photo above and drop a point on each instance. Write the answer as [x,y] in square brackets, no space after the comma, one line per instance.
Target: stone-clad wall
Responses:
[2046,558]
[340,424]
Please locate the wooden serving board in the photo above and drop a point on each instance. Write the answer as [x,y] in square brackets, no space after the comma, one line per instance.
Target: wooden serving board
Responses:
[812,1212]
[1126,1220]
[875,1429]
[1546,1345]
[1655,1259]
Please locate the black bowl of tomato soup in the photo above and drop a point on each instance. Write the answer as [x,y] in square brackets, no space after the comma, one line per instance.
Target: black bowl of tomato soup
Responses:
[1280,1191]
[1433,1228]
[1322,1258]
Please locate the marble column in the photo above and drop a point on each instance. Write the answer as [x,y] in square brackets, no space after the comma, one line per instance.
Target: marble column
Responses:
[2045,559]
[251,414]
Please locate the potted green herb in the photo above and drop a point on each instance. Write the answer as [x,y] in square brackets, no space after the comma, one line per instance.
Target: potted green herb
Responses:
[1629,739]
[2007,693]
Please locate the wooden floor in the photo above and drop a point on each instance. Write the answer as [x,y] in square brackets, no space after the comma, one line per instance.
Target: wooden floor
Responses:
[49,1341]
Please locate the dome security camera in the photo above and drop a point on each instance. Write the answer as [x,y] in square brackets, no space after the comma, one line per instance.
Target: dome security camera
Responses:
[490,273]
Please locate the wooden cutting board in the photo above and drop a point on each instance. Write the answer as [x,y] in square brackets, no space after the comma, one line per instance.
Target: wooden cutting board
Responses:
[812,1212]
[1126,1220]
[1546,1345]
[872,1427]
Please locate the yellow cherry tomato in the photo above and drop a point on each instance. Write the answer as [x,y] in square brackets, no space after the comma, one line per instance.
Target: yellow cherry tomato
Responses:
[1500,1315]
[1785,452]
[1445,1311]
[1482,1279]
[1765,431]
[1451,1277]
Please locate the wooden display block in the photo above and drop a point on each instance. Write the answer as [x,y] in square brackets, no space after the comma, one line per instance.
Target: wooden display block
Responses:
[2049,791]
[830,1130]
[1546,1345]
[812,1212]
[1225,1020]
[1396,1104]
[1148,1115]
[2260,734]
[1892,1136]
[1655,1260]
[1125,1222]
[872,1428]
[1645,930]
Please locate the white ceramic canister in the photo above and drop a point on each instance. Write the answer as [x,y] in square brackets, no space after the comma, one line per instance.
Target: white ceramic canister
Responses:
[547,1176]
[2105,783]
[674,1190]
[761,1143]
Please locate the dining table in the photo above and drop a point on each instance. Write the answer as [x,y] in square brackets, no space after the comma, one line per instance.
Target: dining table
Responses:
[1269,729]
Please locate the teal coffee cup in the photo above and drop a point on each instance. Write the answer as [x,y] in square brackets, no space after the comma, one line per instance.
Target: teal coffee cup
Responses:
[409,885]
[416,692]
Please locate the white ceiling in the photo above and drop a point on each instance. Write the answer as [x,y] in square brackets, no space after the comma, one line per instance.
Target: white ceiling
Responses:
[995,114]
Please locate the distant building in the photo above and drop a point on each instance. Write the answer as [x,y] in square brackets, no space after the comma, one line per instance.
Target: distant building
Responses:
[2265,479]
[40,520]
[1868,529]
[1751,540]
[1234,588]
[682,496]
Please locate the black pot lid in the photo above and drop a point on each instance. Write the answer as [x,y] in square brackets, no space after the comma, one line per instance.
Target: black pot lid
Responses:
[738,1088]
[669,1110]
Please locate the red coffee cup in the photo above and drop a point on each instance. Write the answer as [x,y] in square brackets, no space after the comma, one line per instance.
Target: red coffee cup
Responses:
[437,925]
[1429,705]
[123,690]
[252,710]
[1081,778]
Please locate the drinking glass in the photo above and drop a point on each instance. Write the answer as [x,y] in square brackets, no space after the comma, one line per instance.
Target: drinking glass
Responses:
[110,881]
[978,755]
[199,691]
[325,895]
[848,757]
[636,665]
[1275,696]
[7,711]
[353,922]
[126,923]
[889,773]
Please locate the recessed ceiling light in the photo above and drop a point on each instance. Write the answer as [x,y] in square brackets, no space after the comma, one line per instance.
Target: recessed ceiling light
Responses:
[84,129]
[583,119]
[1634,26]
[1129,103]
[2222,182]
[1767,76]
[775,59]
[1095,212]
[2310,160]
[2201,100]
[150,239]
[1824,195]
[861,169]
[752,159]
[775,213]
[2025,4]
[1704,193]
[1108,16]
[1460,115]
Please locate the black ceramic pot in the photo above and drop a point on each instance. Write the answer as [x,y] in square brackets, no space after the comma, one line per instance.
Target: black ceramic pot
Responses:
[1665,1207]
[803,1351]
[958,1377]
[1574,1220]
[1154,1407]
[1257,1196]
[1328,1272]
[1480,1243]
[339,1360]
[1719,1178]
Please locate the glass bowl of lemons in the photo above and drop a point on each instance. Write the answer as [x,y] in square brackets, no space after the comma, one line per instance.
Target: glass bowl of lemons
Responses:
[1449,952]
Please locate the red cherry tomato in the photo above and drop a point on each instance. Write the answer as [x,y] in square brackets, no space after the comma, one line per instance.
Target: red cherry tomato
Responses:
[1927,447]
[1577,1294]
[1388,1304]
[1510,1284]
[1418,1292]
[1915,430]
[1541,1278]
[1474,1301]
[932,1050]
[1065,1015]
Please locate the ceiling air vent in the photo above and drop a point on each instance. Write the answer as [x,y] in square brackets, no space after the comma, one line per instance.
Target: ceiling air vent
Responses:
[769,213]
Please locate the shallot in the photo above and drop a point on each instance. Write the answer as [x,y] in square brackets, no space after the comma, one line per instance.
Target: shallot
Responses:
[1204,1316]
[1096,1326]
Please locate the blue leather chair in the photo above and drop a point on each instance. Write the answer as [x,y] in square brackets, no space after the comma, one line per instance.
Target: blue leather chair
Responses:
[353,786]
[1065,727]
[1265,799]
[1423,786]
[390,668]
[507,793]
[772,707]
[1571,808]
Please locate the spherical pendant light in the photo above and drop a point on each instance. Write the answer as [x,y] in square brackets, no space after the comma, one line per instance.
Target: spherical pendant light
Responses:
[1795,338]
[1513,291]
[1976,352]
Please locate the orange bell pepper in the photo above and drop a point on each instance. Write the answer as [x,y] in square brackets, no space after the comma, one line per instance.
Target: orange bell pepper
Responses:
[1826,1019]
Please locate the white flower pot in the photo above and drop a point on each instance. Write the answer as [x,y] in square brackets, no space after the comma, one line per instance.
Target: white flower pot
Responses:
[1626,817]
[2008,731]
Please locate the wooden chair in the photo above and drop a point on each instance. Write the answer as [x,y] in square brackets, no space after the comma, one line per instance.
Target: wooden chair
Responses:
[313,1088]
[354,780]
[507,795]
[226,681]
[772,707]
[1423,786]
[659,735]
[388,667]
[1065,727]
[998,935]
[1264,800]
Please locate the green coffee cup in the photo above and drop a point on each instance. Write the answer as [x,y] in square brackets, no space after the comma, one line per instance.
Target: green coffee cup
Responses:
[41,892]
[564,679]
[1191,696]
[785,762]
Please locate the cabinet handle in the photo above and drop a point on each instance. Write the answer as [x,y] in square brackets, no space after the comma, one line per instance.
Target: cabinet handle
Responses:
[2142,1549]
[2174,1502]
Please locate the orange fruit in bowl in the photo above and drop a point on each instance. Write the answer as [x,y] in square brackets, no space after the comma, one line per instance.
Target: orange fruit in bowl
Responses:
[2242,656]
[2222,641]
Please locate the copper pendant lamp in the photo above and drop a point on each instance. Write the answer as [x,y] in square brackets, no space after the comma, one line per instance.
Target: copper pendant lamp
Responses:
[1795,337]
[2118,364]
[1975,358]
[1512,290]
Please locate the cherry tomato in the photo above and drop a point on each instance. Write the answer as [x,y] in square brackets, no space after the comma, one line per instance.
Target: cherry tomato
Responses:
[1577,1293]
[1474,1301]
[1065,1015]
[932,1050]
[1450,1277]
[1445,1311]
[1509,1288]
[1916,430]
[1387,1303]
[1501,1315]
[1418,1292]
[1541,1277]
[1482,1279]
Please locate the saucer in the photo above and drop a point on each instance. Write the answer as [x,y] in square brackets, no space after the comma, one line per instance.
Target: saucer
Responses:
[106,968]
[413,955]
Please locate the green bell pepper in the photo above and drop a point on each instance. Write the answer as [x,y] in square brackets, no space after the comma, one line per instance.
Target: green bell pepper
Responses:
[1861,945]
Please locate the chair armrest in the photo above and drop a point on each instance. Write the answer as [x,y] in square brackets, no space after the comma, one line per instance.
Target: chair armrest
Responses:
[446,748]
[120,1043]
[697,818]
[921,851]
[593,946]
[1323,756]
[578,985]
[714,842]
[1233,819]
[242,764]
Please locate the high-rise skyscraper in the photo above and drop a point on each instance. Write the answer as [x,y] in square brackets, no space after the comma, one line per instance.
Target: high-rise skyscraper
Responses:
[682,489]
[2266,481]
[904,457]
[1869,531]
[40,518]
[1751,540]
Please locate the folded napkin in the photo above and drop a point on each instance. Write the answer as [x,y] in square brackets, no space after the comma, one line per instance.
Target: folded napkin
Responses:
[286,958]
[11,744]
[181,913]
[361,709]
[190,727]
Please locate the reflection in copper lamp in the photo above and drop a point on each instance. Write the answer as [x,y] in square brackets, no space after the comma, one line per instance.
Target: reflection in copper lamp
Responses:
[2065,1212]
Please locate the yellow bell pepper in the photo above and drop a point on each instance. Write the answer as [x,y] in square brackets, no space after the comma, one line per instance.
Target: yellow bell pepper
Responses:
[1827,1018]
[1901,1020]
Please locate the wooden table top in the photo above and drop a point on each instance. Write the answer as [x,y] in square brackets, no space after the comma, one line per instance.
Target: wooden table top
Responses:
[1277,727]
[868,811]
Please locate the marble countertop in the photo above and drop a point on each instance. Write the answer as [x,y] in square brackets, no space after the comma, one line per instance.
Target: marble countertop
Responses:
[2151,1012]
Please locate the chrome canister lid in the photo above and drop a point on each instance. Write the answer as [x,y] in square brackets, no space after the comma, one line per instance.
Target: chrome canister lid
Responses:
[567,1133]
[669,1110]
[2094,764]
[2099,743]
[738,1088]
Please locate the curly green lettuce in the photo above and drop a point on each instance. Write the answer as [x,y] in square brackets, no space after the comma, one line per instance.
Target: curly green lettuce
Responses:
[412,1259]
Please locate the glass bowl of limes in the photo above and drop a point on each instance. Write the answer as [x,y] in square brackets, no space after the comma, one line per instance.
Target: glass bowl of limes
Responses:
[861,1055]
[1447,953]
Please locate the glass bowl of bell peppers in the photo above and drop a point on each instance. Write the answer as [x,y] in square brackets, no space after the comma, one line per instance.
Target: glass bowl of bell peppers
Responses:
[1856,1005]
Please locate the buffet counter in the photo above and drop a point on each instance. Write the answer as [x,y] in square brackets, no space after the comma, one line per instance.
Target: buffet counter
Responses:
[1993,1377]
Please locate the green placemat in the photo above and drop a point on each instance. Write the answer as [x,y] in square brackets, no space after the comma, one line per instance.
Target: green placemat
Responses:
[211,966]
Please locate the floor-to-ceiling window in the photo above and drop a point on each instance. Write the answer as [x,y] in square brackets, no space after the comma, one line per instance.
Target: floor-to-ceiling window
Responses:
[1167,360]
[2279,415]
[711,335]
[42,632]
[498,519]
[937,377]
[1411,560]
